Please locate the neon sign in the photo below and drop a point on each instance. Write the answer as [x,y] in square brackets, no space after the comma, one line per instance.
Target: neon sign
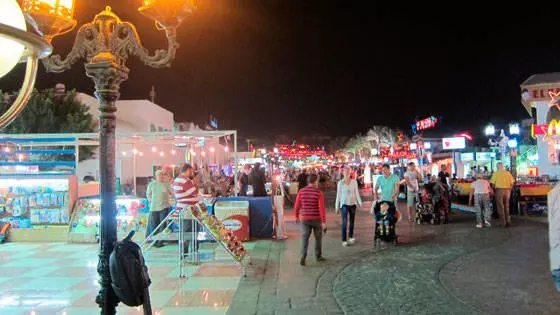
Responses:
[424,124]
[533,171]
[554,99]
[552,129]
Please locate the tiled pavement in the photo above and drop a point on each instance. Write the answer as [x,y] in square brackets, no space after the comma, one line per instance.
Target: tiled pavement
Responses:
[58,278]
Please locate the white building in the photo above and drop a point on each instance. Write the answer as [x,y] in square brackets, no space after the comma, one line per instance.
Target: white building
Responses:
[535,92]
[144,116]
[135,116]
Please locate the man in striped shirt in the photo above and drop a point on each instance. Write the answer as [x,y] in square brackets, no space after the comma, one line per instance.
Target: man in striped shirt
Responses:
[186,194]
[310,206]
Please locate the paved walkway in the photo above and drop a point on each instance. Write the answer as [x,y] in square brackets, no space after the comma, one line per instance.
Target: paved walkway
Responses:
[446,269]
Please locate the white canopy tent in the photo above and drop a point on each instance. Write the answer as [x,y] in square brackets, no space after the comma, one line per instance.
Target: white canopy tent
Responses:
[198,145]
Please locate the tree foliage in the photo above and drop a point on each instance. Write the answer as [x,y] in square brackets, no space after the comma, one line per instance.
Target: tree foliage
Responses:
[51,112]
[376,137]
[336,144]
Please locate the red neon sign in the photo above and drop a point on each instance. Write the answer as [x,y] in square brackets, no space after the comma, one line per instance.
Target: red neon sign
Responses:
[426,123]
[464,135]
[554,99]
[552,129]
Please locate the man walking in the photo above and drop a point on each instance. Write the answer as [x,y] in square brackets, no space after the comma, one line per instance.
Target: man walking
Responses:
[412,177]
[159,195]
[310,203]
[389,184]
[502,181]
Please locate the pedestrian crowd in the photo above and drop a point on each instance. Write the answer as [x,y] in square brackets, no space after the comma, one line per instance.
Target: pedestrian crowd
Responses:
[310,203]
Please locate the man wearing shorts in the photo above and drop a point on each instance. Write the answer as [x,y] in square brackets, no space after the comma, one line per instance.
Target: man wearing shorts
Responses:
[389,184]
[412,177]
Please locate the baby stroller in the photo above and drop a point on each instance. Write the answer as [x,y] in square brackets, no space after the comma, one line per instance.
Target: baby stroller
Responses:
[426,210]
[386,218]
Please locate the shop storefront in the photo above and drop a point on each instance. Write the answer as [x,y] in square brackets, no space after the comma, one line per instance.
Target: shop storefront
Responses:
[44,199]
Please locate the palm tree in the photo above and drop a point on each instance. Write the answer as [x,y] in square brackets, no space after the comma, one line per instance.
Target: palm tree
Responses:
[379,136]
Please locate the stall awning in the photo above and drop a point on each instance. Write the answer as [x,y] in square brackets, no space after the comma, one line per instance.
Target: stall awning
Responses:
[85,139]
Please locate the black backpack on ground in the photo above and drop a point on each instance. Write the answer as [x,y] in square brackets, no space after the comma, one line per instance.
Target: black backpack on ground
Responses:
[129,273]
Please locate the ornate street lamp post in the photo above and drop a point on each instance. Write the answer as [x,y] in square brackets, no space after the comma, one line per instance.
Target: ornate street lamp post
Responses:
[105,44]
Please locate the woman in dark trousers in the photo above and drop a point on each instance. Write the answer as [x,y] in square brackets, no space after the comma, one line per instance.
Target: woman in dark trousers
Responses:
[347,199]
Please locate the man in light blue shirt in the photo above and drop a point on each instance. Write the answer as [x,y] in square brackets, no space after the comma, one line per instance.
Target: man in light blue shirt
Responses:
[389,184]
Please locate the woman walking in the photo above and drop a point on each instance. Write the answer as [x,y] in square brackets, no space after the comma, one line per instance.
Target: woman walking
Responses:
[347,197]
[481,190]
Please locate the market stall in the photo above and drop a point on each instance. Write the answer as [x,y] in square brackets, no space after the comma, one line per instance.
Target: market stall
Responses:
[40,193]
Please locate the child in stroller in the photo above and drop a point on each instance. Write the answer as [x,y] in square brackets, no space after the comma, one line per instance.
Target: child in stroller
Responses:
[386,218]
[425,207]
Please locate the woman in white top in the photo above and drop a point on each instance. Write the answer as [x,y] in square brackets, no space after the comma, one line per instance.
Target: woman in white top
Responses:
[347,197]
[481,190]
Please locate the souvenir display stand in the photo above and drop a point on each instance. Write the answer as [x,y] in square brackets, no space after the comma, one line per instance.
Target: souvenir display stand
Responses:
[204,227]
[216,231]
[132,214]
[37,207]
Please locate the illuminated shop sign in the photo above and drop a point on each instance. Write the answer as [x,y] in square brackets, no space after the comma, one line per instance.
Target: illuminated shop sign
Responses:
[453,143]
[467,157]
[424,124]
[552,129]
[485,156]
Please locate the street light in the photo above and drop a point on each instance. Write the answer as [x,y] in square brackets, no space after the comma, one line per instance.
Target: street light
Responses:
[490,130]
[105,44]
[514,129]
[17,44]
[10,14]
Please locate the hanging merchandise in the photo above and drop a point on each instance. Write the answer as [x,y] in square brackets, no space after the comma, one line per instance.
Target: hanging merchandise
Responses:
[219,232]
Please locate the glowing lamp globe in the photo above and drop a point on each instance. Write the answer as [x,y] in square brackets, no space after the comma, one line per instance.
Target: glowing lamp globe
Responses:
[10,54]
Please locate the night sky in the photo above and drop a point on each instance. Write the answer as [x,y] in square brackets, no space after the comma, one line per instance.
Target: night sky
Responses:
[294,67]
